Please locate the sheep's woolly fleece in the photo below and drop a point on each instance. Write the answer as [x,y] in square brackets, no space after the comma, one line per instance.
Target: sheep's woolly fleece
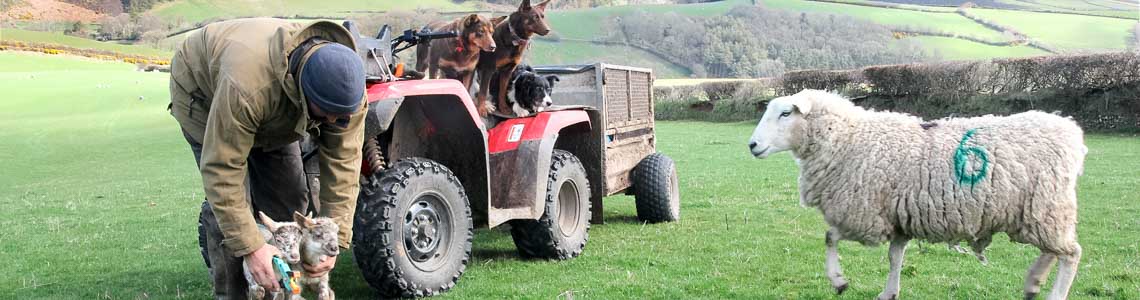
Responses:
[877,174]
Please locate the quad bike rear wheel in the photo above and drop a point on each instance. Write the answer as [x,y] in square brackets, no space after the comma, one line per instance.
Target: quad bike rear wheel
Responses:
[655,189]
[412,231]
[563,229]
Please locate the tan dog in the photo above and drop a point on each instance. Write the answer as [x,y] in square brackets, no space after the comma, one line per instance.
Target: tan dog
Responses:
[513,32]
[456,58]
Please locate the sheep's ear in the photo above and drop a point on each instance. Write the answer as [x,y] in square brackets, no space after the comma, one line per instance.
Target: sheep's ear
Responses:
[269,223]
[803,105]
[303,220]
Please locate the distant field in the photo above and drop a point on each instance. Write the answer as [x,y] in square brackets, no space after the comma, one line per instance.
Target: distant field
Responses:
[694,81]
[948,22]
[1096,6]
[66,40]
[587,23]
[197,10]
[571,53]
[1063,30]
[957,49]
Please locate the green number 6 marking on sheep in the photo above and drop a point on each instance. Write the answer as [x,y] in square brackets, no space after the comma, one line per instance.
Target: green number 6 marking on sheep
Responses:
[962,156]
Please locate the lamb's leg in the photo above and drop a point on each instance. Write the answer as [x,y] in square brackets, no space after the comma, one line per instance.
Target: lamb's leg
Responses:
[895,254]
[324,291]
[1066,272]
[834,271]
[1038,271]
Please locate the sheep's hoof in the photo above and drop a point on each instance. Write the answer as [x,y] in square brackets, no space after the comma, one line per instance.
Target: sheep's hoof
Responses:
[1030,296]
[840,289]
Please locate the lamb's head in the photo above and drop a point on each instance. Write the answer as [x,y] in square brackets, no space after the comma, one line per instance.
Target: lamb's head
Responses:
[320,236]
[776,131]
[286,237]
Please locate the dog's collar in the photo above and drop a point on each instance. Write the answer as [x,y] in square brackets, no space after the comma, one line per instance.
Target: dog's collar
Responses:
[515,38]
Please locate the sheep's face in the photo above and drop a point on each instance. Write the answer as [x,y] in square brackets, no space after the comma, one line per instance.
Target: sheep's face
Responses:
[774,132]
[320,236]
[286,237]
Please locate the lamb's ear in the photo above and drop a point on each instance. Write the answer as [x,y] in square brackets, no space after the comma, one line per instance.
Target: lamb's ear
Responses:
[269,223]
[302,220]
[803,105]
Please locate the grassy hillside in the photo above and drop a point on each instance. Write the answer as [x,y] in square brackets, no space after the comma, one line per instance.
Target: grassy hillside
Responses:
[100,197]
[958,49]
[586,23]
[66,40]
[949,22]
[197,10]
[1069,32]
[570,52]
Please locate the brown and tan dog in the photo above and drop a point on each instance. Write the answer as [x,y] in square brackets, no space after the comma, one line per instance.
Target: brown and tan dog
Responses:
[513,33]
[456,58]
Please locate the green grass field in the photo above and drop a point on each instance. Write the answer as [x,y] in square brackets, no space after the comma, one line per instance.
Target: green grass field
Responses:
[587,23]
[571,52]
[1066,31]
[101,198]
[66,40]
[949,22]
[957,49]
[198,10]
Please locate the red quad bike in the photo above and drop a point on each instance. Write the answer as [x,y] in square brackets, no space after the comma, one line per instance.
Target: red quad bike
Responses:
[433,170]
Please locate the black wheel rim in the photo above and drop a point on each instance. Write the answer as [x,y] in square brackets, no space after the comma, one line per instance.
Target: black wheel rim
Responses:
[568,203]
[427,231]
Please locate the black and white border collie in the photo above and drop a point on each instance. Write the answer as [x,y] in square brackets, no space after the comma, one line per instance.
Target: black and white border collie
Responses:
[528,93]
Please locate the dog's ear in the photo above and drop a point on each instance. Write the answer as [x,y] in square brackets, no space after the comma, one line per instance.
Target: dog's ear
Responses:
[525,5]
[552,79]
[471,20]
[542,5]
[497,20]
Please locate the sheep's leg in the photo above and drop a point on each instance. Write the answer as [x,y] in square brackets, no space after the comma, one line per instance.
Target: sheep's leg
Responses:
[979,247]
[324,291]
[834,271]
[895,254]
[1066,272]
[1038,271]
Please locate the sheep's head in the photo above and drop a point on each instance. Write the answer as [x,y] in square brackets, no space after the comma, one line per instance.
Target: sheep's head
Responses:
[320,236]
[775,132]
[286,237]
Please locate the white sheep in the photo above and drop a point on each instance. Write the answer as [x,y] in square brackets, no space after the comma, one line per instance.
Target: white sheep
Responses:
[882,176]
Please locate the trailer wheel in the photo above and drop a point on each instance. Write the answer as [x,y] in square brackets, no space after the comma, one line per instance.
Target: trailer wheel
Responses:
[655,189]
[412,230]
[563,229]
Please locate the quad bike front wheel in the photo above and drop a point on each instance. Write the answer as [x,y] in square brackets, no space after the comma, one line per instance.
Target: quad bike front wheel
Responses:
[656,190]
[412,230]
[563,229]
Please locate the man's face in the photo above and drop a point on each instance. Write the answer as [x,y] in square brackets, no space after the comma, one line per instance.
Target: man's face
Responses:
[316,113]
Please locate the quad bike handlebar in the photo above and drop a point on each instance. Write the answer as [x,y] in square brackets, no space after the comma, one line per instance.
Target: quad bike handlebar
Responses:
[381,64]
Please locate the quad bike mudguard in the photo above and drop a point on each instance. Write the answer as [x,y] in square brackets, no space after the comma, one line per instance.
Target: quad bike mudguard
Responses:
[520,151]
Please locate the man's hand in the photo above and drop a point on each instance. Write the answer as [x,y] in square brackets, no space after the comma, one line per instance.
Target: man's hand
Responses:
[321,268]
[260,264]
